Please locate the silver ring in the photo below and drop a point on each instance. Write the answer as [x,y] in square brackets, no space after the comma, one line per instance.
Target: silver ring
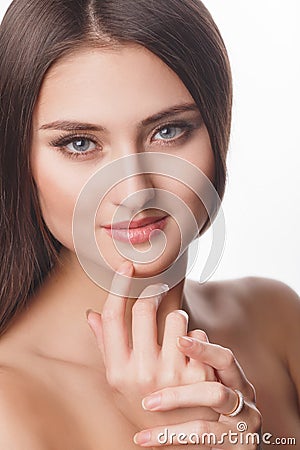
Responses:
[239,406]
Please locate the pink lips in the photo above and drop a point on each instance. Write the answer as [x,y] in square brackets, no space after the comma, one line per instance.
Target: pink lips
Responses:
[137,231]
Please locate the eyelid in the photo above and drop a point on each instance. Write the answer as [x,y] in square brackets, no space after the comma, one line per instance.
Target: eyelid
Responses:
[188,126]
[65,139]
[181,124]
[61,142]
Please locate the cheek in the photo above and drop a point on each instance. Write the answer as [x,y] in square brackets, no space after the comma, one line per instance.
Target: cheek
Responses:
[200,155]
[58,189]
[203,158]
[191,204]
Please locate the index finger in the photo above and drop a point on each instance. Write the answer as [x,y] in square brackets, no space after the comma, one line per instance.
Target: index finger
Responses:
[115,333]
[223,361]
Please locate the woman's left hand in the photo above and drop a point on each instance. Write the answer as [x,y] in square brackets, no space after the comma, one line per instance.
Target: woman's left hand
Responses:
[221,395]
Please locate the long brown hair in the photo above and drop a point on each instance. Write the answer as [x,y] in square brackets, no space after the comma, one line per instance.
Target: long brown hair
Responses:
[36,33]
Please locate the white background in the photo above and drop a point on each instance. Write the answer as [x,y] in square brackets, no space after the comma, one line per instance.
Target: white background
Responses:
[261,203]
[262,199]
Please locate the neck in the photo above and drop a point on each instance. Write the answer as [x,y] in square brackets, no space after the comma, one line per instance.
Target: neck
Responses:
[55,324]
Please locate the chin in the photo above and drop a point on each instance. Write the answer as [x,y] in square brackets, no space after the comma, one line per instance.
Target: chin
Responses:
[148,270]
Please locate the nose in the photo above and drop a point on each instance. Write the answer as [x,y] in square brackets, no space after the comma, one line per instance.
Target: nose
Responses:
[133,191]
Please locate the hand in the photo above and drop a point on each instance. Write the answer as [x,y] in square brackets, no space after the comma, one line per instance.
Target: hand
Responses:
[219,395]
[134,372]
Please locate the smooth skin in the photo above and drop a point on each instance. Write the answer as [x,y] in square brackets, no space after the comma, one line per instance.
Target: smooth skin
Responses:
[182,382]
[55,374]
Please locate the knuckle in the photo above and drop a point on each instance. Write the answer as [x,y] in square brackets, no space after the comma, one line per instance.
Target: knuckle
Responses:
[169,378]
[110,315]
[115,379]
[172,396]
[229,358]
[220,395]
[203,371]
[198,334]
[202,374]
[145,381]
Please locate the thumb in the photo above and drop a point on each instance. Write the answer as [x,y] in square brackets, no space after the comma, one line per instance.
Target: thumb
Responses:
[94,320]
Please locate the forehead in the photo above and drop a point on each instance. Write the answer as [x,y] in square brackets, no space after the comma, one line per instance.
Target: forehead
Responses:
[129,83]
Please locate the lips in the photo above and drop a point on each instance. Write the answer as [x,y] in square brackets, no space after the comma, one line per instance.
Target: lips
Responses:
[134,223]
[138,232]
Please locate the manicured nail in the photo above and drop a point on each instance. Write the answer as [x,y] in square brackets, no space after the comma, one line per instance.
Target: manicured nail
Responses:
[185,341]
[183,313]
[152,401]
[90,321]
[87,312]
[157,291]
[142,437]
[125,268]
[163,289]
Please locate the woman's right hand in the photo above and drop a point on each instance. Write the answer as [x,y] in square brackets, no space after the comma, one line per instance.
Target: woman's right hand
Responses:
[135,371]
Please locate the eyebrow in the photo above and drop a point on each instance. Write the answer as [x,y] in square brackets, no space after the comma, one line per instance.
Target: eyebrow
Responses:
[67,125]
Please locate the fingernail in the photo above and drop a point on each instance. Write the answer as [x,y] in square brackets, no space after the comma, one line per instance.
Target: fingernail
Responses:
[89,321]
[183,313]
[87,312]
[142,437]
[152,401]
[125,268]
[157,291]
[162,290]
[185,341]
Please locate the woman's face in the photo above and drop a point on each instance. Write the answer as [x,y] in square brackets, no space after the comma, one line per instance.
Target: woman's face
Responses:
[96,106]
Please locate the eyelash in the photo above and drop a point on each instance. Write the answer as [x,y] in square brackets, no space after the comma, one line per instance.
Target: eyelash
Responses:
[62,141]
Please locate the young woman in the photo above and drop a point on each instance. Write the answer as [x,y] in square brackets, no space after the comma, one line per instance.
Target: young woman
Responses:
[83,84]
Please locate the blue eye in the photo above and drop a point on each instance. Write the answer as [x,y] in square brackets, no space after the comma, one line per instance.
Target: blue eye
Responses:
[80,145]
[169,132]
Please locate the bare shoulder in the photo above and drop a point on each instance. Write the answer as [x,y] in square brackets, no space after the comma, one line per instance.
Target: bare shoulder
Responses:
[29,413]
[265,293]
[265,305]
[17,430]
[271,304]
[280,306]
[252,294]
